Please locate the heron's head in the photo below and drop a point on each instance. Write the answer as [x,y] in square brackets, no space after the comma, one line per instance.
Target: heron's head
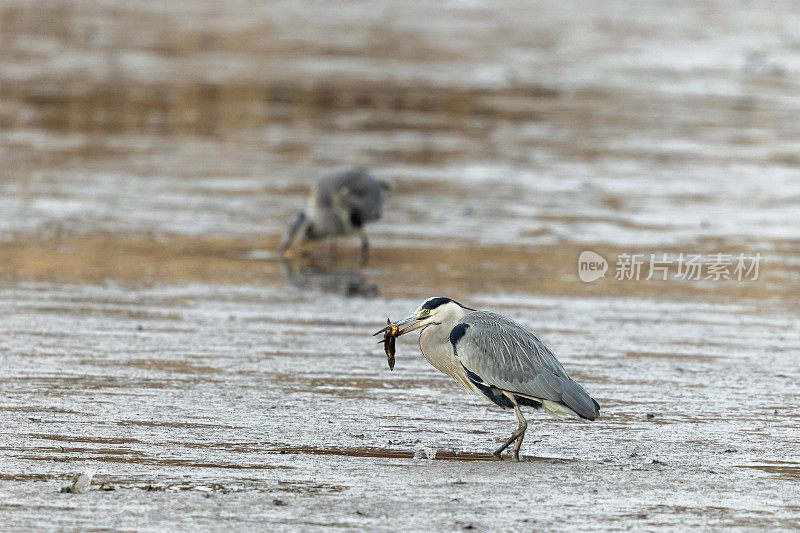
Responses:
[297,232]
[435,310]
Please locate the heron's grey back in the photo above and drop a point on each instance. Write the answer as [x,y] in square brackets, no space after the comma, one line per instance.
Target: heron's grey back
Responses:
[354,190]
[502,353]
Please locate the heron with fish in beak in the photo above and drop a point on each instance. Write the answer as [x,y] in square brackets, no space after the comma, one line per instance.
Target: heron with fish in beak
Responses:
[491,355]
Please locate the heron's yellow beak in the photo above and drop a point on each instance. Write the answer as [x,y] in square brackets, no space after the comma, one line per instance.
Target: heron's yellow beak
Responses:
[414,320]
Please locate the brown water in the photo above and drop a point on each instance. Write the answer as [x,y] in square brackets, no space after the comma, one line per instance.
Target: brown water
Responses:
[151,154]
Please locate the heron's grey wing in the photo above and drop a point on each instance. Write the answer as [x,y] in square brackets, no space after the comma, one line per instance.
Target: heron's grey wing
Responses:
[359,194]
[496,351]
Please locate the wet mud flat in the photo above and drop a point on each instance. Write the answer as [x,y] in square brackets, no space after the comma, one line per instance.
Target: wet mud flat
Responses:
[206,405]
[152,153]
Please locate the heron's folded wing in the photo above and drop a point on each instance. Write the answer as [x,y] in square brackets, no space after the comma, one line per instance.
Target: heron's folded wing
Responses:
[503,354]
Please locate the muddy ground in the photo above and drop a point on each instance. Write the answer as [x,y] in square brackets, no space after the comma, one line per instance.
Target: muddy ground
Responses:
[152,153]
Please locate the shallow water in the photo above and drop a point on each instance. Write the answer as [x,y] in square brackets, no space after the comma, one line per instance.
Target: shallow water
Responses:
[152,154]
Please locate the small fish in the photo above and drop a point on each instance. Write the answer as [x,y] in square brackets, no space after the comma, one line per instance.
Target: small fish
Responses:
[389,336]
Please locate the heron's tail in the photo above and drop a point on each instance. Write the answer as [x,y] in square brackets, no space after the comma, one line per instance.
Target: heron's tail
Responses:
[576,398]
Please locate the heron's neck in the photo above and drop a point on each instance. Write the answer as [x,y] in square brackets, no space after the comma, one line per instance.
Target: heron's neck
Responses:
[434,341]
[453,318]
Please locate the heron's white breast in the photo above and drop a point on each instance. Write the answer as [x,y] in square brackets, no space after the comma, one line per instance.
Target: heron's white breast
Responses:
[439,353]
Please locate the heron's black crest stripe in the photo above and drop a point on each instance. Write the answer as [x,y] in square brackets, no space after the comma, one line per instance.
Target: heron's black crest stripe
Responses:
[433,303]
[457,332]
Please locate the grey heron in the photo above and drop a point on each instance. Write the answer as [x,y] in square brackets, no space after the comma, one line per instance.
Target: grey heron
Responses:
[339,204]
[491,355]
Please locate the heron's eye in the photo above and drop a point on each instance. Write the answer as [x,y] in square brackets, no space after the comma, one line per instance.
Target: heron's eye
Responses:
[425,312]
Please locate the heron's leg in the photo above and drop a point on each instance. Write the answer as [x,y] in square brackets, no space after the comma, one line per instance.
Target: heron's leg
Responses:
[524,425]
[364,248]
[334,248]
[519,434]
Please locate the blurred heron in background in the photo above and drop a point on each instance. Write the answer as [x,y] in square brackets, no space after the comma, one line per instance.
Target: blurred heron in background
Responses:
[340,204]
[489,354]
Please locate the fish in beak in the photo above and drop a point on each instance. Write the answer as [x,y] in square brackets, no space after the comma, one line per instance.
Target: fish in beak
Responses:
[392,331]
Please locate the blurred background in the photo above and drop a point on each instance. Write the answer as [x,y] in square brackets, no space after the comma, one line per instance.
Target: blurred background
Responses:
[152,152]
[145,141]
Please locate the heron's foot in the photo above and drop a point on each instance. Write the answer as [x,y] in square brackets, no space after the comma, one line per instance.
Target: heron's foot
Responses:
[295,255]
[499,452]
[298,251]
[364,250]
[499,456]
[515,437]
